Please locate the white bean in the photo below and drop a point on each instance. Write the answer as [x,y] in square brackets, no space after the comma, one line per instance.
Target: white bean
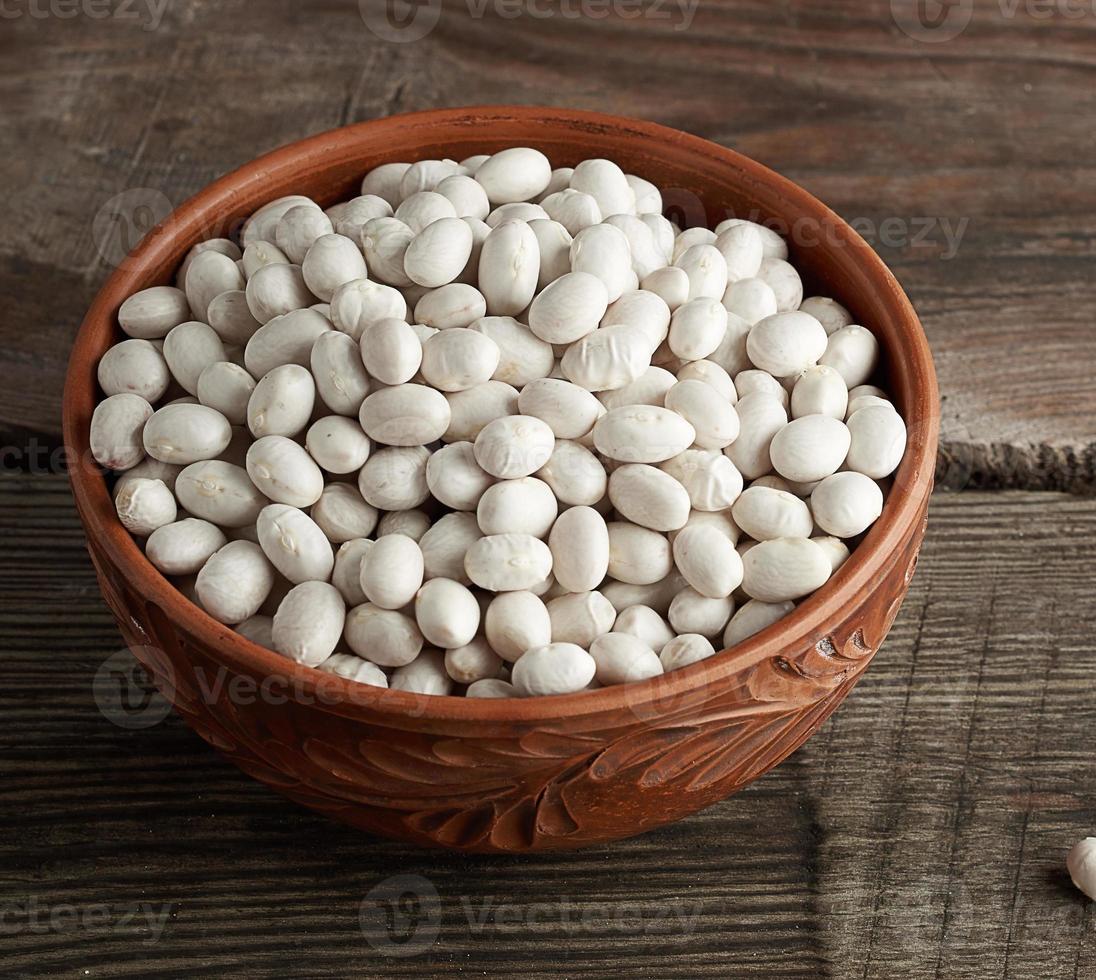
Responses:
[424,675]
[183,547]
[516,174]
[439,252]
[358,304]
[688,648]
[382,636]
[575,475]
[810,448]
[691,612]
[637,555]
[579,542]
[189,349]
[521,506]
[514,446]
[558,668]
[853,352]
[786,343]
[764,513]
[340,376]
[331,262]
[459,359]
[405,415]
[878,441]
[609,358]
[508,562]
[785,282]
[622,658]
[447,613]
[642,434]
[760,417]
[645,624]
[309,623]
[235,582]
[346,575]
[277,289]
[343,514]
[523,357]
[185,433]
[135,367]
[569,308]
[819,390]
[509,268]
[221,493]
[707,271]
[516,622]
[282,470]
[145,505]
[282,402]
[453,305]
[753,617]
[846,504]
[474,661]
[295,544]
[116,431]
[422,209]
[570,411]
[711,479]
[209,274]
[574,210]
[603,251]
[385,242]
[286,339]
[784,568]
[580,617]
[228,388]
[647,496]
[606,183]
[394,478]
[152,313]
[354,669]
[831,314]
[392,571]
[455,478]
[671,284]
[707,411]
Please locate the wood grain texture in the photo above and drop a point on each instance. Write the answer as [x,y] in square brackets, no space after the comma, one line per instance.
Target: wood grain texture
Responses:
[966,163]
[921,833]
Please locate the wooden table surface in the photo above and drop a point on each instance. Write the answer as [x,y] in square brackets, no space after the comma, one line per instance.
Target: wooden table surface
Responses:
[922,832]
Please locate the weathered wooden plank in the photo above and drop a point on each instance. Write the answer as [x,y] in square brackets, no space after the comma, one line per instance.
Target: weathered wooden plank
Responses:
[967,163]
[920,833]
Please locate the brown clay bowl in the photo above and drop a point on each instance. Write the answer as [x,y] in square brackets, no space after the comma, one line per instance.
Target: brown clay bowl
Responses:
[539,774]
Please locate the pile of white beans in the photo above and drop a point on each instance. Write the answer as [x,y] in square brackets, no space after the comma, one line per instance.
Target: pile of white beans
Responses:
[495,429]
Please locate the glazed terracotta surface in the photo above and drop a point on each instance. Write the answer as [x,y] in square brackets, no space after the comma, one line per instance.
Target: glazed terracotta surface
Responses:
[543,773]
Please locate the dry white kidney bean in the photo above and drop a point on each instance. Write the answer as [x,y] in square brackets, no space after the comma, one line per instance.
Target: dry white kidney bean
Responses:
[259,254]
[447,613]
[831,314]
[786,343]
[719,522]
[509,268]
[340,376]
[349,217]
[235,582]
[228,388]
[753,617]
[392,571]
[412,523]
[522,506]
[684,240]
[575,475]
[337,444]
[648,198]
[517,174]
[189,349]
[569,411]
[295,544]
[262,224]
[691,612]
[713,375]
[637,555]
[421,210]
[752,381]
[579,542]
[646,255]
[424,675]
[1081,864]
[709,477]
[426,175]
[439,252]
[853,352]
[467,196]
[784,568]
[219,492]
[603,251]
[846,504]
[751,299]
[277,289]
[384,182]
[707,271]
[622,658]
[455,478]
[343,514]
[707,411]
[286,339]
[145,505]
[863,401]
[309,623]
[731,353]
[819,390]
[385,242]
[331,261]
[878,441]
[359,304]
[508,562]
[282,470]
[183,547]
[647,496]
[282,402]
[515,622]
[642,434]
[708,562]
[648,389]
[516,211]
[405,415]
[560,180]
[523,357]
[742,250]
[580,617]
[474,661]
[185,433]
[353,669]
[670,284]
[135,367]
[154,312]
[606,183]
[697,328]
[298,228]
[574,210]
[810,448]
[760,417]
[210,274]
[455,304]
[382,636]
[645,624]
[644,310]
[458,359]
[688,648]
[569,308]
[117,425]
[657,595]
[764,513]
[785,282]
[555,250]
[558,668]
[514,446]
[346,575]
[394,478]
[491,687]
[391,351]
[836,550]
[608,358]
